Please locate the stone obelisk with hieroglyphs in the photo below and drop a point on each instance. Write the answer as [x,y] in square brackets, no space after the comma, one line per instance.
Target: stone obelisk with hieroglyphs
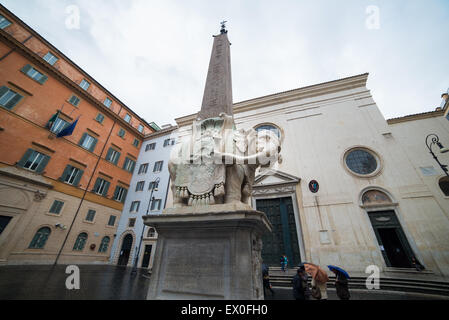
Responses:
[217,97]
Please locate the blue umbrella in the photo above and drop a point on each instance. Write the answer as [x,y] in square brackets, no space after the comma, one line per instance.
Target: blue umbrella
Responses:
[343,272]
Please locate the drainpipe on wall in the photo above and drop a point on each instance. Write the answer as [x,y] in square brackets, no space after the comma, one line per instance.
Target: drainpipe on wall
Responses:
[85,191]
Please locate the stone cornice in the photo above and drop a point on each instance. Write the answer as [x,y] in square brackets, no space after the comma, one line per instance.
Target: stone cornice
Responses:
[419,116]
[291,95]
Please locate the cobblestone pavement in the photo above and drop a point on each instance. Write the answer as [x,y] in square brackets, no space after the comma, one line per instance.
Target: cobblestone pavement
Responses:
[118,283]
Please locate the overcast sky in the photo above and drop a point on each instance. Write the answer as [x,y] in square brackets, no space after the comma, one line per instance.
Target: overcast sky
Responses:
[153,55]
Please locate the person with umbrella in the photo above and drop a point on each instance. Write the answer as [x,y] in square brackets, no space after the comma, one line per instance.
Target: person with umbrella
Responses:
[341,282]
[319,280]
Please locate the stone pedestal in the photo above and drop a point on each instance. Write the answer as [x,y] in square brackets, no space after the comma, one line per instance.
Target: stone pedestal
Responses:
[210,252]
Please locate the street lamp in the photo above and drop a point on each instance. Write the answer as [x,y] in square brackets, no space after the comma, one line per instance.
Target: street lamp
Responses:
[154,187]
[436,140]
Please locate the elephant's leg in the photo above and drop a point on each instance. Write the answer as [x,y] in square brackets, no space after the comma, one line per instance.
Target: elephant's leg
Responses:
[234,179]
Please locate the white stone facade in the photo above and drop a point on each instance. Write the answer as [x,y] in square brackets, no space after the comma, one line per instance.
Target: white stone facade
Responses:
[319,126]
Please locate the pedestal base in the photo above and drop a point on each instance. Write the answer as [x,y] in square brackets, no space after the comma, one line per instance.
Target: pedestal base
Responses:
[208,254]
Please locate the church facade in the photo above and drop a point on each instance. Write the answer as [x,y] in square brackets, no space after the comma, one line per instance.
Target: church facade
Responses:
[353,189]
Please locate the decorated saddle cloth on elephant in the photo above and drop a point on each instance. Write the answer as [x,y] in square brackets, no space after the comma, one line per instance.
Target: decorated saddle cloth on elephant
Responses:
[201,183]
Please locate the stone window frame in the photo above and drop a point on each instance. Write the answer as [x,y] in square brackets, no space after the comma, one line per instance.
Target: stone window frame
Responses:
[281,131]
[379,160]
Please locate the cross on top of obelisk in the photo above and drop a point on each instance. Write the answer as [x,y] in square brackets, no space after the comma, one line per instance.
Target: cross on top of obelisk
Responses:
[217,98]
[223,27]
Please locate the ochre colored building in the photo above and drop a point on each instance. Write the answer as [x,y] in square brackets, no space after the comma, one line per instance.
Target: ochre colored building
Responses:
[60,197]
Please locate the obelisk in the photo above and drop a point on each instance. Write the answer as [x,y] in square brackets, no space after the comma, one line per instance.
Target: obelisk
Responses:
[217,96]
[209,247]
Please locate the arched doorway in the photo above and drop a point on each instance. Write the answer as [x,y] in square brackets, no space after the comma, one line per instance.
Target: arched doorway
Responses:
[126,250]
[392,240]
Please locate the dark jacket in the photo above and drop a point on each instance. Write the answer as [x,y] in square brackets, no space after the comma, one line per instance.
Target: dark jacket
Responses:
[298,288]
[342,287]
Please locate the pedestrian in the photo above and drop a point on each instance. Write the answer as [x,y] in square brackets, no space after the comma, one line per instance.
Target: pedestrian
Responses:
[298,284]
[266,280]
[319,290]
[341,285]
[284,262]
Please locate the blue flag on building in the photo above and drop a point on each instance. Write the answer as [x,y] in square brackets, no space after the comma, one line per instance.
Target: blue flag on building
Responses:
[69,130]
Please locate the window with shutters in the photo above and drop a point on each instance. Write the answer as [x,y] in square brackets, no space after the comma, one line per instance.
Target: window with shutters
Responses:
[107,102]
[120,194]
[99,118]
[127,118]
[104,244]
[121,133]
[50,58]
[140,186]
[59,125]
[150,146]
[56,207]
[34,161]
[4,22]
[72,175]
[135,205]
[140,128]
[111,221]
[90,215]
[154,185]
[85,84]
[136,143]
[129,165]
[74,100]
[40,238]
[9,98]
[131,222]
[34,74]
[80,242]
[113,156]
[156,205]
[143,168]
[88,142]
[158,166]
[101,187]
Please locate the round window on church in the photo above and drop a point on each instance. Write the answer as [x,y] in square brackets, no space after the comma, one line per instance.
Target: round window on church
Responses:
[362,162]
[269,127]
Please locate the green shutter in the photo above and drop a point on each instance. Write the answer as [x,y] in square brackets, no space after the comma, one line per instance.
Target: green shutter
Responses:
[106,188]
[116,192]
[92,147]
[3,91]
[12,103]
[118,157]
[78,178]
[25,157]
[40,168]
[43,79]
[97,183]
[26,68]
[132,166]
[109,154]
[82,139]
[124,195]
[126,162]
[65,173]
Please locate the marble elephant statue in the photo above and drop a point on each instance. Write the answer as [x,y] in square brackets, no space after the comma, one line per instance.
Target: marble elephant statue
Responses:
[225,175]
